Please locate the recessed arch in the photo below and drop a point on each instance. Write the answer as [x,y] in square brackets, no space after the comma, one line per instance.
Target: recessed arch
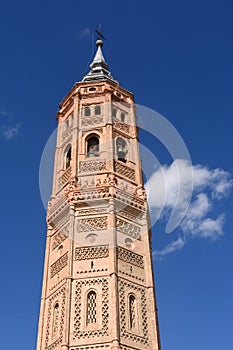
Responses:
[121,147]
[114,112]
[91,313]
[97,110]
[122,117]
[92,145]
[87,111]
[67,156]
[132,311]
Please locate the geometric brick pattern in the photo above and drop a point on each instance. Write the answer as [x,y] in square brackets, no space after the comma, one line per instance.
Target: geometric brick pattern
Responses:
[92,224]
[128,228]
[58,265]
[86,253]
[95,333]
[125,288]
[130,257]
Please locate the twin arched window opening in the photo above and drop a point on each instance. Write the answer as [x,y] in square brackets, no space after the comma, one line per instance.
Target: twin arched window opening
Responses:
[91,307]
[121,149]
[97,110]
[93,147]
[91,311]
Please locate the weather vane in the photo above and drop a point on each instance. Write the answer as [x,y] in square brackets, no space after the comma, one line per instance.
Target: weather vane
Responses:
[99,32]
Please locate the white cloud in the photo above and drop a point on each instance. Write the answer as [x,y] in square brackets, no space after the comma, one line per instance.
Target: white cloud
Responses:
[168,183]
[170,248]
[10,133]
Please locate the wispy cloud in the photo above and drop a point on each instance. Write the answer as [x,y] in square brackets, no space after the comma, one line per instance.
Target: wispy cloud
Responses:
[85,33]
[209,186]
[8,129]
[170,248]
[10,133]
[4,113]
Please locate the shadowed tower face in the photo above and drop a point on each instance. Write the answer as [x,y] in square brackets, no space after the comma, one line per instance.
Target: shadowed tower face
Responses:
[98,288]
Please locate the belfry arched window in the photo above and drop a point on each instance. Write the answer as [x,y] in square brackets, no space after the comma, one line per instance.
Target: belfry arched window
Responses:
[121,149]
[132,311]
[91,307]
[97,110]
[55,320]
[87,111]
[68,156]
[93,147]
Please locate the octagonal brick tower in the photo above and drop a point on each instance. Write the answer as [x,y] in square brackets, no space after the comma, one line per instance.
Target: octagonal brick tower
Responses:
[98,288]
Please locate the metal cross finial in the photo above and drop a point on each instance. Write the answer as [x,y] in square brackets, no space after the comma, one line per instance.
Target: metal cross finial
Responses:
[99,33]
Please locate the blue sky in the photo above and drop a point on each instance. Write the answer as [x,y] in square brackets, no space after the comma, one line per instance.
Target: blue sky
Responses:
[176,56]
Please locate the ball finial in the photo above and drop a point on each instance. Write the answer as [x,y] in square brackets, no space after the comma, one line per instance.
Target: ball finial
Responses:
[99,42]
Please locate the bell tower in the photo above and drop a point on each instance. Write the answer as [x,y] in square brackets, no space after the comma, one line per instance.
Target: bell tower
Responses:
[98,287]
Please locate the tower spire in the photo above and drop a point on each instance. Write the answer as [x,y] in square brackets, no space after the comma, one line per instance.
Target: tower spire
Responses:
[99,67]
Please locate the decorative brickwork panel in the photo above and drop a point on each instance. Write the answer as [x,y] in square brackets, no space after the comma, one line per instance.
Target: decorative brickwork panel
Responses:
[56,209]
[64,178]
[89,121]
[128,229]
[92,347]
[86,253]
[60,236]
[130,257]
[60,297]
[125,170]
[60,221]
[124,288]
[122,127]
[130,198]
[92,211]
[95,333]
[88,166]
[93,224]
[59,265]
[66,133]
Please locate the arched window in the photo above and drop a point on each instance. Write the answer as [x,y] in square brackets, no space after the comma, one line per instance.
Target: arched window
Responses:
[97,110]
[55,320]
[93,147]
[68,157]
[87,112]
[91,307]
[114,112]
[121,149]
[132,312]
[123,117]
